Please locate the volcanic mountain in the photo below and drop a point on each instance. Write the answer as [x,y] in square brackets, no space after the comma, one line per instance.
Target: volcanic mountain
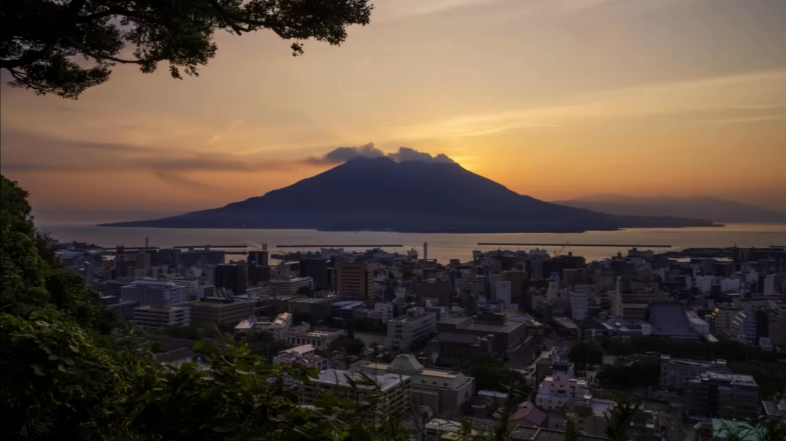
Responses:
[379,194]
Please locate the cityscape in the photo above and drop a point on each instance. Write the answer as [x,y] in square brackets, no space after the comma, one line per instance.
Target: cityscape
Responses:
[699,335]
[393,220]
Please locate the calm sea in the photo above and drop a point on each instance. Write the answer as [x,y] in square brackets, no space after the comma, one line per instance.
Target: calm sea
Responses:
[440,246]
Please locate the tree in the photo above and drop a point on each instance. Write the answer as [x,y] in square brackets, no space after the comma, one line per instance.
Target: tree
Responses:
[617,420]
[586,353]
[350,346]
[40,40]
[490,374]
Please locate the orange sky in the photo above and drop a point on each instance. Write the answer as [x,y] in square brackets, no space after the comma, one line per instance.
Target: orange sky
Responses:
[552,98]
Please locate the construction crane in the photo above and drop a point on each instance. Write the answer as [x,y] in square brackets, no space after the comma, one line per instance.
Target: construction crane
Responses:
[557,253]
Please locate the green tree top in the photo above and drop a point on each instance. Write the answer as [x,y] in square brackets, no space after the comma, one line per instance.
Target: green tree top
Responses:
[41,39]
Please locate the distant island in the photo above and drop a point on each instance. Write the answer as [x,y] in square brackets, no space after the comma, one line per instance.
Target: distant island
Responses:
[380,194]
[715,209]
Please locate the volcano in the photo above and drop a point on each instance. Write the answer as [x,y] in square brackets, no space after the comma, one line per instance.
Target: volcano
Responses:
[380,194]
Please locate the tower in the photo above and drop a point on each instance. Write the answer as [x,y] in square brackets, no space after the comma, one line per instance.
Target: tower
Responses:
[425,250]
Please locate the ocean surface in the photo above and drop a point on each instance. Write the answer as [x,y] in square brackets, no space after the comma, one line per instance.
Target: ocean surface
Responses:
[440,246]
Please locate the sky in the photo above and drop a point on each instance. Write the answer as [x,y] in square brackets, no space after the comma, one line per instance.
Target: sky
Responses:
[555,99]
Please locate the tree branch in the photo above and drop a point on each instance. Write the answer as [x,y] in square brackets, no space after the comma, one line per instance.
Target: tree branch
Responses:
[97,56]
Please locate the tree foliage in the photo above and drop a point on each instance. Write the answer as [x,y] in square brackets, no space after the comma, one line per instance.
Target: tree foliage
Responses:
[41,41]
[639,375]
[491,374]
[348,345]
[586,353]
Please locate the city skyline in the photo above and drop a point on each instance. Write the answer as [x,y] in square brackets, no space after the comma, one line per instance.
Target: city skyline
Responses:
[554,100]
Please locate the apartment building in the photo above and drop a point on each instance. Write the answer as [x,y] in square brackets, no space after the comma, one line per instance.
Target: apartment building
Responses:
[675,373]
[355,279]
[161,315]
[208,314]
[560,387]
[149,291]
[415,326]
[725,396]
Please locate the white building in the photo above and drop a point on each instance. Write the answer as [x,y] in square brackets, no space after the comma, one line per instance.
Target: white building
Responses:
[697,324]
[502,291]
[579,305]
[560,387]
[383,312]
[149,291]
[161,316]
[415,326]
[305,355]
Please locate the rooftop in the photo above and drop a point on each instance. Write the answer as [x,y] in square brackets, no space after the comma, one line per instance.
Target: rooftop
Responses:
[341,378]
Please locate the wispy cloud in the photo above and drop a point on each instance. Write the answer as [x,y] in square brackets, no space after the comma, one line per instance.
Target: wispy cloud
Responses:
[217,137]
[343,154]
[737,94]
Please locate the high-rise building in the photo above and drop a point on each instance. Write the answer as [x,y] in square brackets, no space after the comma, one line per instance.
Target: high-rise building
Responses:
[675,373]
[258,273]
[518,283]
[502,292]
[355,279]
[232,277]
[579,305]
[209,314]
[435,289]
[258,257]
[318,270]
[149,291]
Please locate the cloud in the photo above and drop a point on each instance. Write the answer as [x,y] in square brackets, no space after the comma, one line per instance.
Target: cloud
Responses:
[344,154]
[408,154]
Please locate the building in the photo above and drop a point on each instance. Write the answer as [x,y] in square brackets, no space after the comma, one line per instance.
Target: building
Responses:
[384,312]
[231,277]
[355,279]
[560,388]
[438,290]
[670,319]
[206,314]
[508,335]
[305,355]
[579,305]
[258,257]
[287,287]
[722,395]
[345,309]
[675,373]
[444,392]
[518,283]
[278,327]
[720,320]
[390,390]
[588,414]
[258,274]
[415,326]
[459,350]
[502,292]
[190,287]
[700,326]
[125,309]
[318,337]
[149,291]
[630,299]
[162,315]
[319,271]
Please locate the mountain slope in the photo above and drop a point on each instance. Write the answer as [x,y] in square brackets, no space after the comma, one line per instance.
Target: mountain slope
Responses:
[717,210]
[412,196]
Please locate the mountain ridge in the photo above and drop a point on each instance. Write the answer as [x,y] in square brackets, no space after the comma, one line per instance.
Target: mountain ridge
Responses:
[714,208]
[379,194]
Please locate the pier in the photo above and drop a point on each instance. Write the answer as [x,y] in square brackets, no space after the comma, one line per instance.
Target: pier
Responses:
[340,246]
[602,245]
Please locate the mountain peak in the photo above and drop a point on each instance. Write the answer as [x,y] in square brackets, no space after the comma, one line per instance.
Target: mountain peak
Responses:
[380,193]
